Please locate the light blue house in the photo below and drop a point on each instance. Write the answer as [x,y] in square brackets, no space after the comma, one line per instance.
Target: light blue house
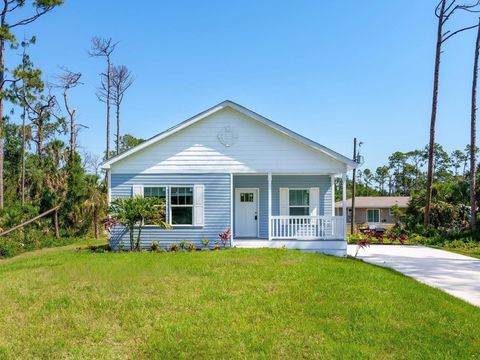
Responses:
[229,167]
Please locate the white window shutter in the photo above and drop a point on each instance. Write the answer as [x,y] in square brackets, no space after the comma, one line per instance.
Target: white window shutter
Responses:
[284,201]
[137,190]
[198,198]
[314,201]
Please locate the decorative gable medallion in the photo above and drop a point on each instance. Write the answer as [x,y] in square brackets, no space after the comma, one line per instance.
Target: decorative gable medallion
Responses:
[227,136]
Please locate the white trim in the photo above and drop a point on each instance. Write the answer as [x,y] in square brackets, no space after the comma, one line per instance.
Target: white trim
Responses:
[192,225]
[257,190]
[333,194]
[344,204]
[243,110]
[269,178]
[232,199]
[109,190]
[300,206]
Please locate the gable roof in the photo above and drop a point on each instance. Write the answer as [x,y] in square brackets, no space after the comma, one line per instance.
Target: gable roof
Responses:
[243,110]
[376,202]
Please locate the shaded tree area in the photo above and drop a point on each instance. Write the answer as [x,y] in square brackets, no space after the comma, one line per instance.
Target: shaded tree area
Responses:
[42,162]
[405,174]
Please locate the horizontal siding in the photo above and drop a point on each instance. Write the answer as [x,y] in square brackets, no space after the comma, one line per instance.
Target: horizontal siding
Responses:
[196,149]
[216,207]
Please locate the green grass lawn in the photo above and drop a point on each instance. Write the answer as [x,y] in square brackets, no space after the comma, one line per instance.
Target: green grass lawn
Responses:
[259,303]
[469,251]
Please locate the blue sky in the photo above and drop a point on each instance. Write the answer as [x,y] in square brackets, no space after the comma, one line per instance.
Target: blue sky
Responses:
[330,70]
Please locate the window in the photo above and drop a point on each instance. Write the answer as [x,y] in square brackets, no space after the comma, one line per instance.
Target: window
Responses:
[156,192]
[299,202]
[181,205]
[373,215]
[160,192]
[246,197]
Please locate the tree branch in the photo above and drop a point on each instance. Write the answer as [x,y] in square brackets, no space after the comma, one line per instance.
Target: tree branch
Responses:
[32,18]
[459,31]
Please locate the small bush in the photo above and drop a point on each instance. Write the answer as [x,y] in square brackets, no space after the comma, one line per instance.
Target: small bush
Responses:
[154,246]
[174,247]
[191,246]
[225,237]
[205,243]
[183,244]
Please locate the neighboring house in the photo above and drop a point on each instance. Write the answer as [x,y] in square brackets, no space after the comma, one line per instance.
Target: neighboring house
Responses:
[373,209]
[229,167]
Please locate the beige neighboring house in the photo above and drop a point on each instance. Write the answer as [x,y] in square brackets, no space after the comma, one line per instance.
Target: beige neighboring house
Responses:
[373,209]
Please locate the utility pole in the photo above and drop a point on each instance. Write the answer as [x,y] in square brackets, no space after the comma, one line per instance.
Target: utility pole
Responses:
[352,220]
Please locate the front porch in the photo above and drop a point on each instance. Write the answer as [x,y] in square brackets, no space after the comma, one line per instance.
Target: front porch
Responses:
[291,211]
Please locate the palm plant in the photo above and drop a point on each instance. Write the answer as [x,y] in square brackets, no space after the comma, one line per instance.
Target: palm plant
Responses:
[135,212]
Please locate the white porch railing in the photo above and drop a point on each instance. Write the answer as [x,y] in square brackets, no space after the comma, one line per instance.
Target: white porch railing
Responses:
[307,227]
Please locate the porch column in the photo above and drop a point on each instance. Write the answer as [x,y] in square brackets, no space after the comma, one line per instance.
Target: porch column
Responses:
[232,199]
[344,204]
[269,206]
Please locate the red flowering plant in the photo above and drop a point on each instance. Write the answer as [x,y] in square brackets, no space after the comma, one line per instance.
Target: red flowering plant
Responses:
[109,222]
[362,243]
[225,236]
[397,233]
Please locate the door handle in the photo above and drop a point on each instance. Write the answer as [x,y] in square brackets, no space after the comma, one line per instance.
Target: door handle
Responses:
[256,217]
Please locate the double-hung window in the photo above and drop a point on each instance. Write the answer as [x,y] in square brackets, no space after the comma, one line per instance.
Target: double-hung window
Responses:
[181,205]
[299,202]
[159,192]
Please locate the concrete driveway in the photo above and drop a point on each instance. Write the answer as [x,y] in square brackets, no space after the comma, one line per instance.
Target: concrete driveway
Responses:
[455,274]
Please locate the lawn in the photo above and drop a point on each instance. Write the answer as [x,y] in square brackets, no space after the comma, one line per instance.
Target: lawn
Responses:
[473,251]
[258,303]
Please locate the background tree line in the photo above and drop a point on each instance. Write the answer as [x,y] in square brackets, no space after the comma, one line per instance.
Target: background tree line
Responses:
[41,166]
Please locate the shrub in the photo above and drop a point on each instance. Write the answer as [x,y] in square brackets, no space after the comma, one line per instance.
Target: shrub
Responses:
[191,246]
[216,246]
[225,236]
[205,243]
[154,246]
[135,212]
[362,244]
[183,244]
[174,247]
[397,233]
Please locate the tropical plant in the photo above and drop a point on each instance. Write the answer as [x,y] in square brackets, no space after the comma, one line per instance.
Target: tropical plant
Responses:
[205,243]
[225,237]
[154,246]
[135,212]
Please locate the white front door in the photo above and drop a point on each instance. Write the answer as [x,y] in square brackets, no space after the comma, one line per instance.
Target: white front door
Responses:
[246,212]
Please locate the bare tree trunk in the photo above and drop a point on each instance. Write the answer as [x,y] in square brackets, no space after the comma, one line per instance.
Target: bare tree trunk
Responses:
[22,182]
[108,108]
[40,140]
[55,221]
[108,118]
[354,179]
[2,78]
[72,133]
[433,119]
[118,128]
[473,137]
[95,220]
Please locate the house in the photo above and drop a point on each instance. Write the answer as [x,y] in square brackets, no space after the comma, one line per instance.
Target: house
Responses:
[373,210]
[229,167]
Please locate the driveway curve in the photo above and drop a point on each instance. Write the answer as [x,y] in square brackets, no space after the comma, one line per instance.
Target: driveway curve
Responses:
[455,274]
